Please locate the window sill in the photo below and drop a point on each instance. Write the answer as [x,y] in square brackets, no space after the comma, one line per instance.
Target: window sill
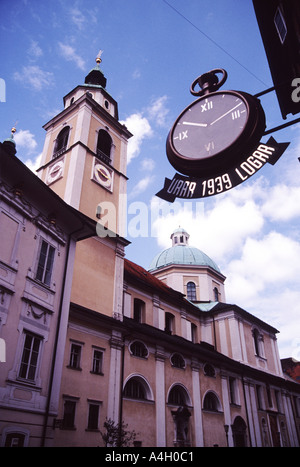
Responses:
[74,368]
[97,373]
[24,383]
[146,401]
[233,404]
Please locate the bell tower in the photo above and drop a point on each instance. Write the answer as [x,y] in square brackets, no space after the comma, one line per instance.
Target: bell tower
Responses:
[85,152]
[84,161]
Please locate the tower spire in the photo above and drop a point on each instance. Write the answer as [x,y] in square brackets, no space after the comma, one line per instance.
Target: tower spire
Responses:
[9,143]
[96,76]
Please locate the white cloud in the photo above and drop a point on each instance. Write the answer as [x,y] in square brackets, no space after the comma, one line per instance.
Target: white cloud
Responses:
[70,54]
[158,111]
[219,230]
[140,127]
[148,164]
[33,76]
[265,262]
[78,18]
[34,164]
[282,203]
[35,50]
[141,186]
[25,140]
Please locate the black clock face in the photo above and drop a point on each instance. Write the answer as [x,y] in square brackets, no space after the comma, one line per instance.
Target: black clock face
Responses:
[210,125]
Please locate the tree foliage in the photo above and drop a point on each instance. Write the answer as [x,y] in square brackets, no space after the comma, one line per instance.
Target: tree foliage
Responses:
[117,434]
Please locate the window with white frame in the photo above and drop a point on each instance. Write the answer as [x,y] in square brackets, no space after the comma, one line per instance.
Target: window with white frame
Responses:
[45,263]
[191,291]
[216,294]
[134,389]
[178,396]
[104,145]
[75,356]
[61,142]
[138,349]
[258,341]
[97,362]
[30,356]
[177,360]
[211,402]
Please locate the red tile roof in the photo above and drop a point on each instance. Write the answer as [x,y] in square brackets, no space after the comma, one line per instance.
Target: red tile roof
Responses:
[141,275]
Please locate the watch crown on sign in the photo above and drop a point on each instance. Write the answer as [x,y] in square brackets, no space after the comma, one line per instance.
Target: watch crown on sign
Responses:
[208,82]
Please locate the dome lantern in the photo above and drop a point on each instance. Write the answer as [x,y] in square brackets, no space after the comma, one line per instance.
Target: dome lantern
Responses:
[180,237]
[182,254]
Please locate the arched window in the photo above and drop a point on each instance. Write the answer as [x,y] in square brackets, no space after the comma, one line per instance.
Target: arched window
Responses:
[211,402]
[177,360]
[178,396]
[61,142]
[104,145]
[216,294]
[191,291]
[138,349]
[138,388]
[134,389]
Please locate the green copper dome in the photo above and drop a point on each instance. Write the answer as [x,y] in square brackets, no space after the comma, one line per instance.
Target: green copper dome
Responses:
[182,254]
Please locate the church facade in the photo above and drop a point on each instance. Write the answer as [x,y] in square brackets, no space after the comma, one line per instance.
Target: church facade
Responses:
[105,339]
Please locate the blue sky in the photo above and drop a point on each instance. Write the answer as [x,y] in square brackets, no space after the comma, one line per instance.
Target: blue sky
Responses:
[152,51]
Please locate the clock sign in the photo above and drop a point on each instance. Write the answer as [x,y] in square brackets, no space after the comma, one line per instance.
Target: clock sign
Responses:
[214,136]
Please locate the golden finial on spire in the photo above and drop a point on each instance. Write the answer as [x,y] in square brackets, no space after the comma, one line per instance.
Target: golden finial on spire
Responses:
[14,129]
[98,58]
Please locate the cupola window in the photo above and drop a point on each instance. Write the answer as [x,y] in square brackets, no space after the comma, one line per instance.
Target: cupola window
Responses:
[104,145]
[191,291]
[61,142]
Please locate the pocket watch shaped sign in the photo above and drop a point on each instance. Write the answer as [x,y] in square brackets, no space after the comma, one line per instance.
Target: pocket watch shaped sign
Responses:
[215,141]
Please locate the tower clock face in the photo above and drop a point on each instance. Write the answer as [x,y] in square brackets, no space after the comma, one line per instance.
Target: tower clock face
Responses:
[212,130]
[55,172]
[103,175]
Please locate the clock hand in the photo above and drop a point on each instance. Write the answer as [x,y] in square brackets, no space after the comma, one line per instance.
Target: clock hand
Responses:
[226,113]
[194,124]
[101,172]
